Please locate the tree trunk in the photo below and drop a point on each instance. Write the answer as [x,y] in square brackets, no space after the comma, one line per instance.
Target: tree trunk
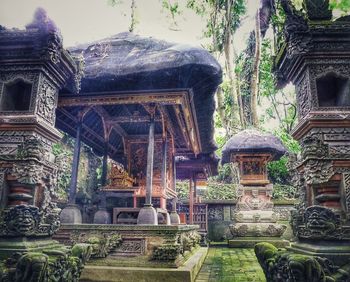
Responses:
[255,76]
[228,50]
[221,111]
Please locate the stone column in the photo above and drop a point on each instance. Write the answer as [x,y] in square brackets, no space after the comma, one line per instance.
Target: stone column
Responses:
[148,214]
[71,214]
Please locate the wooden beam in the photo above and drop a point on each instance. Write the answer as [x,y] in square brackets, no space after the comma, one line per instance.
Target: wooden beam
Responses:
[131,119]
[119,98]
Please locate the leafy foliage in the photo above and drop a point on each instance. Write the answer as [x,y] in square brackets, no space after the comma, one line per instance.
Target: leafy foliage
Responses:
[341,5]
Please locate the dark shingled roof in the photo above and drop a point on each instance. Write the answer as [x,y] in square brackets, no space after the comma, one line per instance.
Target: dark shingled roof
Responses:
[128,62]
[253,141]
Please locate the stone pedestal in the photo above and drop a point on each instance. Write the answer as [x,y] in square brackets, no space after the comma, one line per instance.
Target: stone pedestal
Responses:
[102,216]
[71,214]
[255,218]
[174,218]
[147,215]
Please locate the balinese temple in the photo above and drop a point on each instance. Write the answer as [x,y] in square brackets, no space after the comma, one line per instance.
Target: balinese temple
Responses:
[255,220]
[139,103]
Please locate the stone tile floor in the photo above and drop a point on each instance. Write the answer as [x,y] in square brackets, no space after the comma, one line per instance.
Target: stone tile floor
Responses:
[230,265]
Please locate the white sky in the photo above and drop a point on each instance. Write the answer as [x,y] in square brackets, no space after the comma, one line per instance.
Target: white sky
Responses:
[82,21]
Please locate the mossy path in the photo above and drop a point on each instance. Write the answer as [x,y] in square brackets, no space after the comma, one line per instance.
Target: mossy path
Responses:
[231,265]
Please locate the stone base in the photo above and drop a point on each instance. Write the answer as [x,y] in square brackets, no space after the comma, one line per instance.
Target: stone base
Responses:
[257,229]
[71,214]
[184,273]
[174,218]
[10,246]
[339,252]
[147,216]
[102,216]
[250,242]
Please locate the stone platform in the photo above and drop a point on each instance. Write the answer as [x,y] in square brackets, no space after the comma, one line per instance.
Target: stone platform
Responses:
[338,252]
[250,242]
[134,245]
[185,273]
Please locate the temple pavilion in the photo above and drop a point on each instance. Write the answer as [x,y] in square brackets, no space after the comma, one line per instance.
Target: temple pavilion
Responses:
[142,102]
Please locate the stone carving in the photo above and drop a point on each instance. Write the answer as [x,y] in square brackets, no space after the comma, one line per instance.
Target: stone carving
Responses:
[296,30]
[313,147]
[47,102]
[215,213]
[49,265]
[318,171]
[166,252]
[26,220]
[346,187]
[102,243]
[319,223]
[280,265]
[130,247]
[303,90]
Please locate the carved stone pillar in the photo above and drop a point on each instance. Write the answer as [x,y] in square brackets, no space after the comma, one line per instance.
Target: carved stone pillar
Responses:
[33,67]
[316,59]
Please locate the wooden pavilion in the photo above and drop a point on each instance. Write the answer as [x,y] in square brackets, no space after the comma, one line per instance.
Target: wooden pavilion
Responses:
[141,103]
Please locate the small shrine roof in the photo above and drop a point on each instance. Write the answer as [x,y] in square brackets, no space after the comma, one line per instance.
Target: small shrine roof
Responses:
[252,141]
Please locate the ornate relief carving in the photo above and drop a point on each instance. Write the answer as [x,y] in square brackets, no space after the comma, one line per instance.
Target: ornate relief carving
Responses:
[303,96]
[346,187]
[216,213]
[46,103]
[130,247]
[320,223]
[102,243]
[27,220]
[318,171]
[296,30]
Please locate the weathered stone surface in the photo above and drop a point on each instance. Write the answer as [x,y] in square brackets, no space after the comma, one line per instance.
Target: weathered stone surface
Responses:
[280,265]
[147,215]
[71,214]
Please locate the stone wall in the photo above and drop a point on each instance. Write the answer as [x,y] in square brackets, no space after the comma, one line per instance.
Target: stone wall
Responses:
[221,215]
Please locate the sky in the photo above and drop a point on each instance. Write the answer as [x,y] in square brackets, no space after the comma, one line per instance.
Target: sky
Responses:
[82,21]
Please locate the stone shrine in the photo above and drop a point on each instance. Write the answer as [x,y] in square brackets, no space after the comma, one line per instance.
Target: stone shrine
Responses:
[254,215]
[316,59]
[33,68]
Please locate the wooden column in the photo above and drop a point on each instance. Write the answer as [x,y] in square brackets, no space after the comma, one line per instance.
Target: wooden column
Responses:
[174,184]
[191,201]
[75,165]
[164,168]
[103,203]
[195,188]
[150,157]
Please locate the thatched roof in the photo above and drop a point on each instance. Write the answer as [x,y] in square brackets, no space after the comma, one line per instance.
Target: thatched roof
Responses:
[128,62]
[253,141]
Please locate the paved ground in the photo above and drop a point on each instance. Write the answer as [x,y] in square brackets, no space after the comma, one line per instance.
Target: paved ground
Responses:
[230,265]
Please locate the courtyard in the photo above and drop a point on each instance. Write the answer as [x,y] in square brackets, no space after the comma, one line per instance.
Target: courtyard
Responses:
[175,141]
